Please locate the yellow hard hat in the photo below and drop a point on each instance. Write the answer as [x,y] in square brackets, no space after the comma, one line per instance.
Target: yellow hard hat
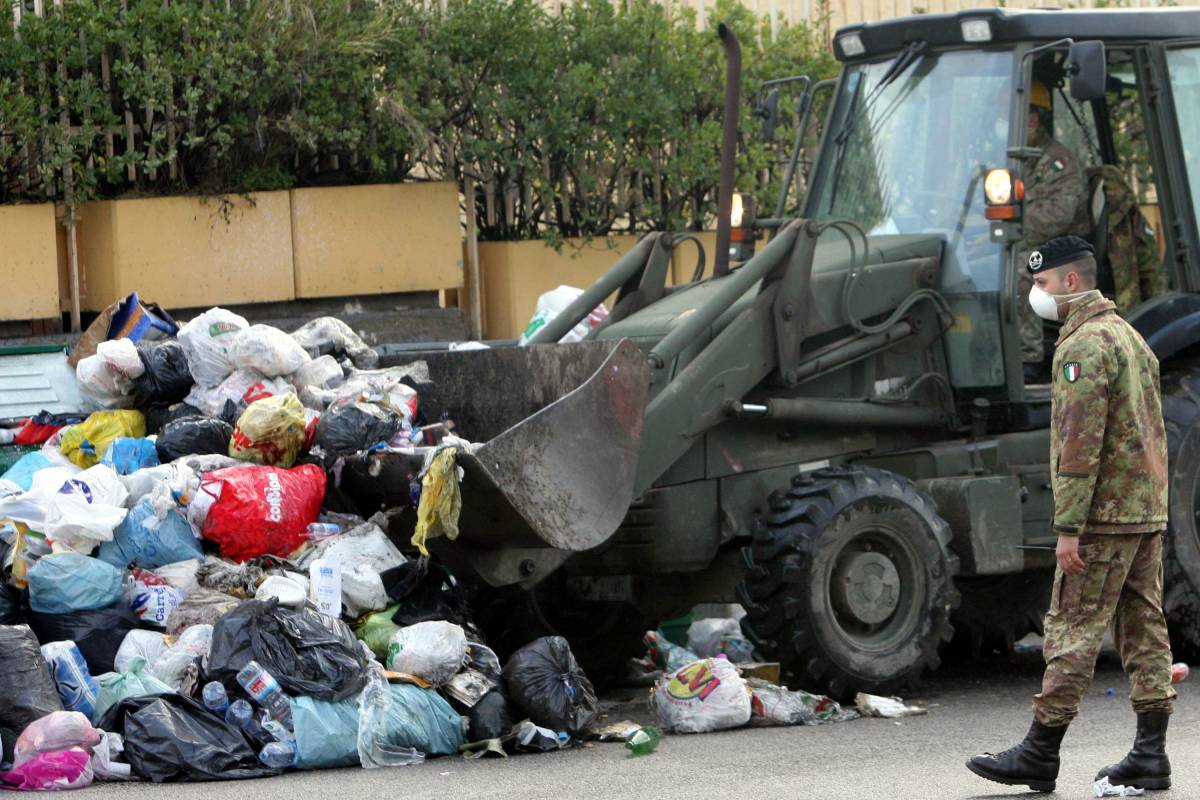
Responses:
[1039,95]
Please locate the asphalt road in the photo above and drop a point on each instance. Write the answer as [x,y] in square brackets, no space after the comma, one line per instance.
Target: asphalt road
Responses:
[972,707]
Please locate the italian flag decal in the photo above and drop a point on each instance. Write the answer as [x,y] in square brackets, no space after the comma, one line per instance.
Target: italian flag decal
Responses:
[1071,371]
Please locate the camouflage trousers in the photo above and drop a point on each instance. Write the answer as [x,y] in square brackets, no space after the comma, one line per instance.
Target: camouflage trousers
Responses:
[1029,324]
[1122,586]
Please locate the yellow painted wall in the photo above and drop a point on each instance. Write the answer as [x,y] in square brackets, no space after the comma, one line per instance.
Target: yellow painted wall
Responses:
[188,252]
[376,239]
[516,273]
[28,262]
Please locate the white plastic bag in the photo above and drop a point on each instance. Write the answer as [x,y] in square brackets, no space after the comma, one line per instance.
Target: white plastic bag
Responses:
[268,350]
[553,303]
[180,574]
[320,373]
[362,590]
[361,553]
[76,511]
[150,597]
[107,377]
[193,643]
[208,342]
[104,758]
[704,696]
[242,386]
[176,479]
[58,730]
[432,651]
[711,637]
[287,591]
[330,334]
[146,645]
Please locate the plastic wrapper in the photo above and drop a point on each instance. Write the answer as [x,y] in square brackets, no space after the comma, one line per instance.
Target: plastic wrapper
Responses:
[65,769]
[270,431]
[258,511]
[84,444]
[180,574]
[331,336]
[106,758]
[58,730]
[193,645]
[481,675]
[776,705]
[546,683]
[150,597]
[146,645]
[201,607]
[127,456]
[97,632]
[432,651]
[237,391]
[377,630]
[148,541]
[349,427]
[193,436]
[307,653]
[268,350]
[77,688]
[172,737]
[663,654]
[208,341]
[25,683]
[176,479]
[553,303]
[319,375]
[64,582]
[362,553]
[135,682]
[872,705]
[395,719]
[708,695]
[441,499]
[166,377]
[384,387]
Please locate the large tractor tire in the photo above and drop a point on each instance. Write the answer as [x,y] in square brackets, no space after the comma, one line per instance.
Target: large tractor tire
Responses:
[849,582]
[1181,551]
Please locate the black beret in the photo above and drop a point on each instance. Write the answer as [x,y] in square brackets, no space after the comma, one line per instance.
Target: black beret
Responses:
[1057,252]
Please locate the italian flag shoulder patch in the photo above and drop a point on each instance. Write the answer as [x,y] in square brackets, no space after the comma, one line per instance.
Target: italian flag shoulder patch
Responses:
[1059,165]
[1071,371]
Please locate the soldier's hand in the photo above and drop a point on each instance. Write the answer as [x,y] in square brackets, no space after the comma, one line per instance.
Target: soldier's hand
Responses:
[1068,555]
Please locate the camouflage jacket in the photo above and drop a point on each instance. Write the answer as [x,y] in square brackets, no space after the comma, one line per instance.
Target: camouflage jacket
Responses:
[1108,447]
[1132,251]
[1055,195]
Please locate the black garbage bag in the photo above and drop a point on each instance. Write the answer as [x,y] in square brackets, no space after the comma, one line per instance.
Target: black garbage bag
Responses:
[193,436]
[308,653]
[171,737]
[27,692]
[98,632]
[547,685]
[350,427]
[12,604]
[490,718]
[425,592]
[167,378]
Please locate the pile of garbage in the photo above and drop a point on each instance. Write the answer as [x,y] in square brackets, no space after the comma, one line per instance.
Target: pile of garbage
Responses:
[178,602]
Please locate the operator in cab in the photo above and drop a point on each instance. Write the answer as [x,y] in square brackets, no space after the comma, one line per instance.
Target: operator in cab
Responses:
[1055,205]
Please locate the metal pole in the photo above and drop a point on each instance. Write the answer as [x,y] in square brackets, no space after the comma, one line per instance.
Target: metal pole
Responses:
[474,273]
[729,129]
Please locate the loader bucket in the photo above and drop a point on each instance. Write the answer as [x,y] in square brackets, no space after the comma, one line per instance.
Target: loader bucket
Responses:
[559,428]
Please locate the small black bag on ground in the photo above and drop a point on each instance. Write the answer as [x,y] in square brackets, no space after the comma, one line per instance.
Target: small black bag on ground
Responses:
[193,436]
[97,632]
[27,692]
[167,378]
[350,427]
[172,737]
[547,685]
[309,653]
[490,718]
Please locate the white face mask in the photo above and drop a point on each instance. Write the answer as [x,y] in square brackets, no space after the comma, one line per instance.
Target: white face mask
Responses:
[1045,305]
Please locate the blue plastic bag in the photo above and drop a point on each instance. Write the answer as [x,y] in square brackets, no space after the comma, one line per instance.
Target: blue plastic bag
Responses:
[127,455]
[64,582]
[421,718]
[149,547]
[76,687]
[21,473]
[326,733]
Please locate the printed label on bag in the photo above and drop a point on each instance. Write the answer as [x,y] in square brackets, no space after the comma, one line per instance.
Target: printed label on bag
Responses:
[273,494]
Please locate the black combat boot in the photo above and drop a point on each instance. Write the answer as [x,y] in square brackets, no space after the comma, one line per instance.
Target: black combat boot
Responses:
[1032,763]
[1147,765]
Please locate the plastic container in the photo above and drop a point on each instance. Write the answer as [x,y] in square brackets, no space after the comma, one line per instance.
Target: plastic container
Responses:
[319,531]
[278,755]
[644,742]
[265,690]
[325,578]
[216,699]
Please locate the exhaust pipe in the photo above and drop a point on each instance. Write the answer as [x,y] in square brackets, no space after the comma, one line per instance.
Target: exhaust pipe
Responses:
[729,131]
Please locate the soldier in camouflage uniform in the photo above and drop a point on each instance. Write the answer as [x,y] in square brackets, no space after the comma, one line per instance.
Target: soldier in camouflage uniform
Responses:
[1132,250]
[1055,205]
[1108,456]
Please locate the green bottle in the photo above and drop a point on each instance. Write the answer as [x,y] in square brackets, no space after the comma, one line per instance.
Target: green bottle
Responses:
[644,741]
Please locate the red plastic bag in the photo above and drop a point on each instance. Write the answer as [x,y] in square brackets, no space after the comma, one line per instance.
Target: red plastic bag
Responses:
[259,511]
[32,432]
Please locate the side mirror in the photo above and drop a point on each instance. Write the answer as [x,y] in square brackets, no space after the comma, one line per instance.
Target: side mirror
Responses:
[1086,70]
[768,111]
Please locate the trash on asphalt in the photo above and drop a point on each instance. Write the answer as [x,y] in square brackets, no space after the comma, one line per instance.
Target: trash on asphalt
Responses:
[872,705]
[1105,788]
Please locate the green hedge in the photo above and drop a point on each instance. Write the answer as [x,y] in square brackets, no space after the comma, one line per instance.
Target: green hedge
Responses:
[582,123]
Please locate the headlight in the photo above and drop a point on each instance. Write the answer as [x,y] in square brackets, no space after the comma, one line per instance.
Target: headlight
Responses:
[998,187]
[976,30]
[852,45]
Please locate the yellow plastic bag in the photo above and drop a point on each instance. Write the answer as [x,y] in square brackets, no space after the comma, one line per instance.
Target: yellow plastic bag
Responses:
[441,500]
[270,431]
[86,443]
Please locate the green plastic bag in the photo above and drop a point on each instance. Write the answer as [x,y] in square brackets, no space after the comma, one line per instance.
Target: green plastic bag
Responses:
[326,733]
[116,686]
[377,630]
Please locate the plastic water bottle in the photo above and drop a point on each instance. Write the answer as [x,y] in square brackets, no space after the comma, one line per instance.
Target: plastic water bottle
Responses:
[278,755]
[325,577]
[643,742]
[276,728]
[215,698]
[240,714]
[261,686]
[318,531]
